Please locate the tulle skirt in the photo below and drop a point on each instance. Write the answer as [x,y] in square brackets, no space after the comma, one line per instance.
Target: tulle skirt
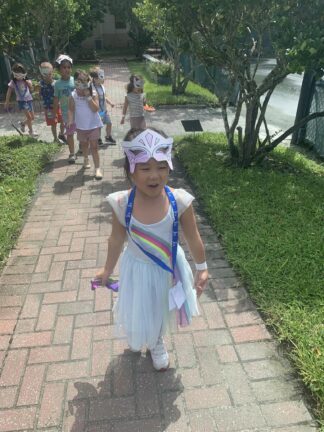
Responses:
[142,309]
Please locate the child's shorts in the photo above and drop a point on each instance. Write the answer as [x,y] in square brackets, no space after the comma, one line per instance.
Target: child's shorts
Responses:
[25,105]
[138,122]
[105,117]
[69,130]
[51,119]
[88,135]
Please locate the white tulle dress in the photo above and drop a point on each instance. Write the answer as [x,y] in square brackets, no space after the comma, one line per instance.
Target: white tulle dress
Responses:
[142,309]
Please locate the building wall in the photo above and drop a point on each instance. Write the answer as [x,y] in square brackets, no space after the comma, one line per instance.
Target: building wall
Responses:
[106,35]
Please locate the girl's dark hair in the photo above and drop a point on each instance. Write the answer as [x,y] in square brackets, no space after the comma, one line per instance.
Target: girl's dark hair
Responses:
[18,68]
[131,134]
[93,73]
[79,72]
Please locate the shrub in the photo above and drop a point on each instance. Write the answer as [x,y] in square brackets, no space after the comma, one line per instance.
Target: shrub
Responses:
[162,69]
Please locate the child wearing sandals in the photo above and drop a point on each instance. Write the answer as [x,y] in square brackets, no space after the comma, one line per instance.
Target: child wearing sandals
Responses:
[135,101]
[156,286]
[83,112]
[22,87]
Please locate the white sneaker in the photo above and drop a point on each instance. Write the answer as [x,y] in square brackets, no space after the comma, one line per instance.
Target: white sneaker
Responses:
[160,356]
[33,134]
[98,175]
[86,164]
[72,158]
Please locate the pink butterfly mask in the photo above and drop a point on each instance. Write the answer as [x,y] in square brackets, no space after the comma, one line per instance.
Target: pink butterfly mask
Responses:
[148,144]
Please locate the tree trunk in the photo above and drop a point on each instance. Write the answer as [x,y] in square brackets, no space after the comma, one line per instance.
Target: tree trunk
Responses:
[249,140]
[176,85]
[304,104]
[229,131]
[45,45]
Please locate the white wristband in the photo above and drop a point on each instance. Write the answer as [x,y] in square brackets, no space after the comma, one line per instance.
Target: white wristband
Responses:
[201,266]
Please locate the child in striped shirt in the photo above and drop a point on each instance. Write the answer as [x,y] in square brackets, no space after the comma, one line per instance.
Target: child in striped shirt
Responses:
[135,100]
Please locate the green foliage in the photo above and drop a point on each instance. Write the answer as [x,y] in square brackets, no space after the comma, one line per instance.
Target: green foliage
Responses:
[12,16]
[58,22]
[231,34]
[270,219]
[95,13]
[159,22]
[161,94]
[163,69]
[21,160]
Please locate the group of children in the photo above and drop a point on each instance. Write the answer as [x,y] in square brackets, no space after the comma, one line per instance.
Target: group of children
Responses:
[77,104]
[156,286]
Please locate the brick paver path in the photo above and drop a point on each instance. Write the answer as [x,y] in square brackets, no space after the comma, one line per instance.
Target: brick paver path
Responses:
[62,369]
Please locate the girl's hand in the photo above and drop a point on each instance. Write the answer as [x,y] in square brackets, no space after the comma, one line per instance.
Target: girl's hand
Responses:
[112,105]
[86,92]
[201,278]
[122,121]
[103,275]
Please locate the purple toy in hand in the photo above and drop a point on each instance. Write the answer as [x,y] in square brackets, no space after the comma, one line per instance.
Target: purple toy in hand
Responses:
[112,284]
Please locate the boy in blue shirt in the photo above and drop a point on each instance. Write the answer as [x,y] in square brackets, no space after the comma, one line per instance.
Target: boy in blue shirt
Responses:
[63,88]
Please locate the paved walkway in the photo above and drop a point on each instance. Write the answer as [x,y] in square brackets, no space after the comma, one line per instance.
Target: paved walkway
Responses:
[62,369]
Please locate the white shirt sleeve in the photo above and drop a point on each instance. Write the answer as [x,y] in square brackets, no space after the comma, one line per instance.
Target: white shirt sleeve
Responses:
[118,202]
[183,198]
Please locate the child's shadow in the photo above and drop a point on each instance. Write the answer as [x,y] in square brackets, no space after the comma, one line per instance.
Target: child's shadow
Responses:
[131,394]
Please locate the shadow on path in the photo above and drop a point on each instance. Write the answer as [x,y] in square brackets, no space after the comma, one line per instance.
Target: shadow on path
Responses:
[131,396]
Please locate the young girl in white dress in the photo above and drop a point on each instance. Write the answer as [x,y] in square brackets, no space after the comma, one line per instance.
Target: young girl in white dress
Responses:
[156,285]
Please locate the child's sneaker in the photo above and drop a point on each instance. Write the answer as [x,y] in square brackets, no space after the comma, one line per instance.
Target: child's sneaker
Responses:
[62,138]
[160,356]
[110,140]
[86,164]
[98,175]
[100,142]
[33,134]
[72,158]
[22,126]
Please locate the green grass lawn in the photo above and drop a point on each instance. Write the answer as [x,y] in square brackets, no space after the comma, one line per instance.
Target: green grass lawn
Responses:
[21,161]
[270,220]
[157,94]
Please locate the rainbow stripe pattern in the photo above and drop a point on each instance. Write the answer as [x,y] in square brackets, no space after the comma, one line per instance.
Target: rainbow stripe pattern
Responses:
[161,249]
[153,244]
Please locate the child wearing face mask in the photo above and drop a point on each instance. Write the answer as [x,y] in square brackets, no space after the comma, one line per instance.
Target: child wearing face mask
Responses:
[22,87]
[157,290]
[98,78]
[84,112]
[135,101]
[46,93]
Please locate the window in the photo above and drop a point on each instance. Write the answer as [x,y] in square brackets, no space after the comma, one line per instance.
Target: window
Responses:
[120,24]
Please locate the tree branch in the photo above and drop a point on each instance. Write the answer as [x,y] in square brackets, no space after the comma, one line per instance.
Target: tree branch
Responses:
[302,122]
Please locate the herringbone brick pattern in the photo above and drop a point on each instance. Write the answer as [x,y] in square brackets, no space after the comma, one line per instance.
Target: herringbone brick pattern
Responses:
[63,369]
